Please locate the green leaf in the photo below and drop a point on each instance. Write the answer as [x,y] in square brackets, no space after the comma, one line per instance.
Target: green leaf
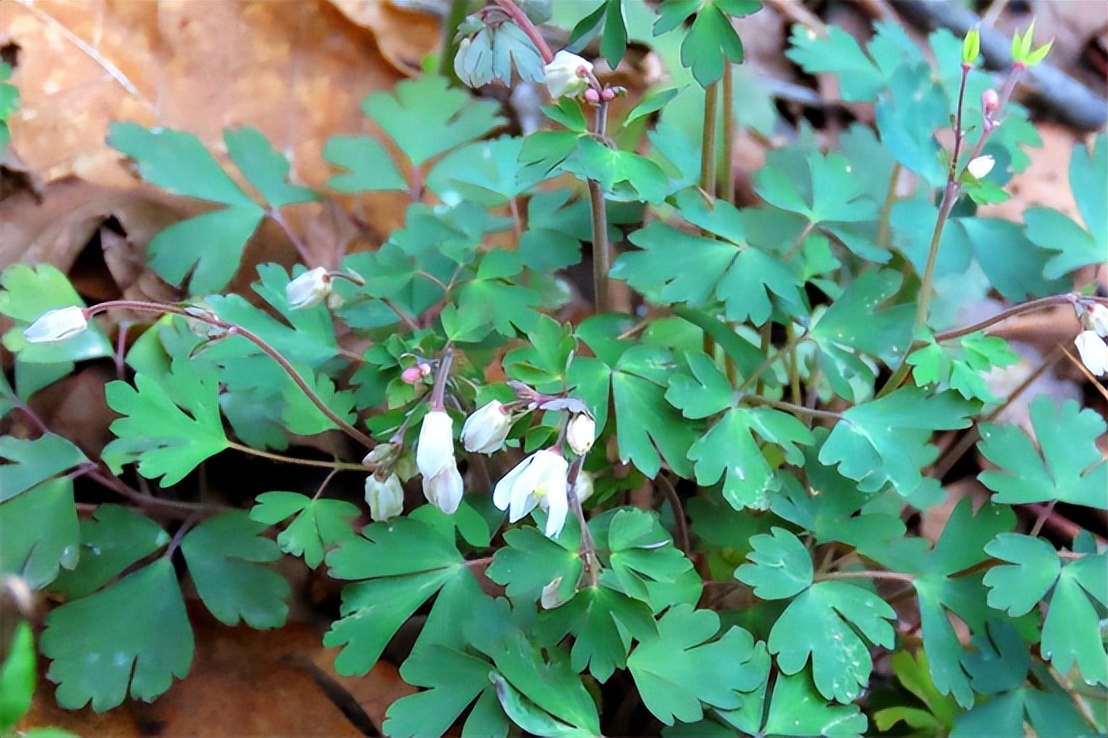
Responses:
[1001,659]
[960,547]
[644,560]
[17,676]
[455,679]
[544,359]
[100,656]
[623,175]
[370,169]
[112,540]
[1008,715]
[205,250]
[264,167]
[962,368]
[796,709]
[223,554]
[914,676]
[711,40]
[40,533]
[1052,230]
[652,102]
[829,193]
[598,617]
[824,622]
[487,172]
[318,525]
[673,265]
[911,109]
[529,561]
[29,292]
[156,433]
[782,566]
[176,161]
[1018,588]
[669,670]
[885,441]
[402,564]
[856,321]
[1067,466]
[529,716]
[1072,629]
[837,52]
[31,462]
[426,117]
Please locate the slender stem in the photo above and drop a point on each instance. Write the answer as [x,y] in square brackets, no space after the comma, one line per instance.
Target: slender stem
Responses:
[884,221]
[588,545]
[867,574]
[708,139]
[520,19]
[601,247]
[1078,702]
[1026,307]
[188,524]
[438,392]
[332,465]
[790,407]
[117,485]
[232,329]
[769,361]
[301,249]
[1040,519]
[454,17]
[727,173]
[680,525]
[324,483]
[794,367]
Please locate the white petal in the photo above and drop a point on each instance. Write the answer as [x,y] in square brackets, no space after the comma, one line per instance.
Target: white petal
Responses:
[435,450]
[557,510]
[1093,351]
[444,490]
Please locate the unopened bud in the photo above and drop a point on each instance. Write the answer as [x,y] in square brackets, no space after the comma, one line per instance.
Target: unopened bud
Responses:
[981,166]
[412,375]
[607,94]
[592,96]
[990,102]
[57,325]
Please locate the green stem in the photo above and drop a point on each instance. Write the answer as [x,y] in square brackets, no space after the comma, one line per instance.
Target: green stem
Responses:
[232,329]
[783,351]
[791,408]
[332,465]
[727,170]
[520,19]
[601,247]
[884,222]
[708,139]
[459,9]
[865,574]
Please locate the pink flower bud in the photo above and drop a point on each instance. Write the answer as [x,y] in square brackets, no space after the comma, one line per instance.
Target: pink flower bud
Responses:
[412,375]
[591,96]
[990,102]
[607,94]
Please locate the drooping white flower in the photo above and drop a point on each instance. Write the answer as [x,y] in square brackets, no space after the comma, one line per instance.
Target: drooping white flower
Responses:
[581,433]
[444,489]
[485,430]
[385,498]
[538,479]
[981,166]
[1094,352]
[435,450]
[561,75]
[309,289]
[57,325]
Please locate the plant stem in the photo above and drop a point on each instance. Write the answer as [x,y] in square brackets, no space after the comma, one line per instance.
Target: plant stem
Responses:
[520,19]
[459,9]
[232,329]
[438,392]
[708,139]
[680,525]
[588,545]
[790,407]
[601,247]
[866,574]
[884,223]
[301,249]
[727,171]
[332,465]
[769,361]
[1042,302]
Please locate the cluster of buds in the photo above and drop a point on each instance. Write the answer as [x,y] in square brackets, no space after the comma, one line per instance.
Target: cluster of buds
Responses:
[1092,342]
[383,491]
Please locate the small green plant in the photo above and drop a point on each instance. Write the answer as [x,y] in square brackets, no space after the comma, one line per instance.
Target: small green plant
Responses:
[778,398]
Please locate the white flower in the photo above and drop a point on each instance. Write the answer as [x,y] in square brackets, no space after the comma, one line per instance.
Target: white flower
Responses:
[1098,319]
[485,430]
[57,325]
[435,451]
[538,479]
[580,433]
[309,289]
[1094,352]
[444,489]
[560,75]
[981,166]
[385,499]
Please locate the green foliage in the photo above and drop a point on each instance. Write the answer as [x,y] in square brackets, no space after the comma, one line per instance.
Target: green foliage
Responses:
[9,104]
[784,400]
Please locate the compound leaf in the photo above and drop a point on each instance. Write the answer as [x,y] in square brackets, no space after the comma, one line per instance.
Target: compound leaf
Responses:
[223,555]
[40,533]
[156,431]
[1067,466]
[318,525]
[30,462]
[114,538]
[782,566]
[100,655]
[266,169]
[1019,587]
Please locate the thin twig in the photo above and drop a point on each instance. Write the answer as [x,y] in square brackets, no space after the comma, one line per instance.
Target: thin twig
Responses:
[680,525]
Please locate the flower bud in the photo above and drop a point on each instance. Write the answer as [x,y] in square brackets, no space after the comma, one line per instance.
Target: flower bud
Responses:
[990,102]
[57,325]
[981,166]
[563,77]
[309,289]
[592,96]
[485,430]
[1094,352]
[382,455]
[581,433]
[412,375]
[971,46]
[583,487]
[385,498]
